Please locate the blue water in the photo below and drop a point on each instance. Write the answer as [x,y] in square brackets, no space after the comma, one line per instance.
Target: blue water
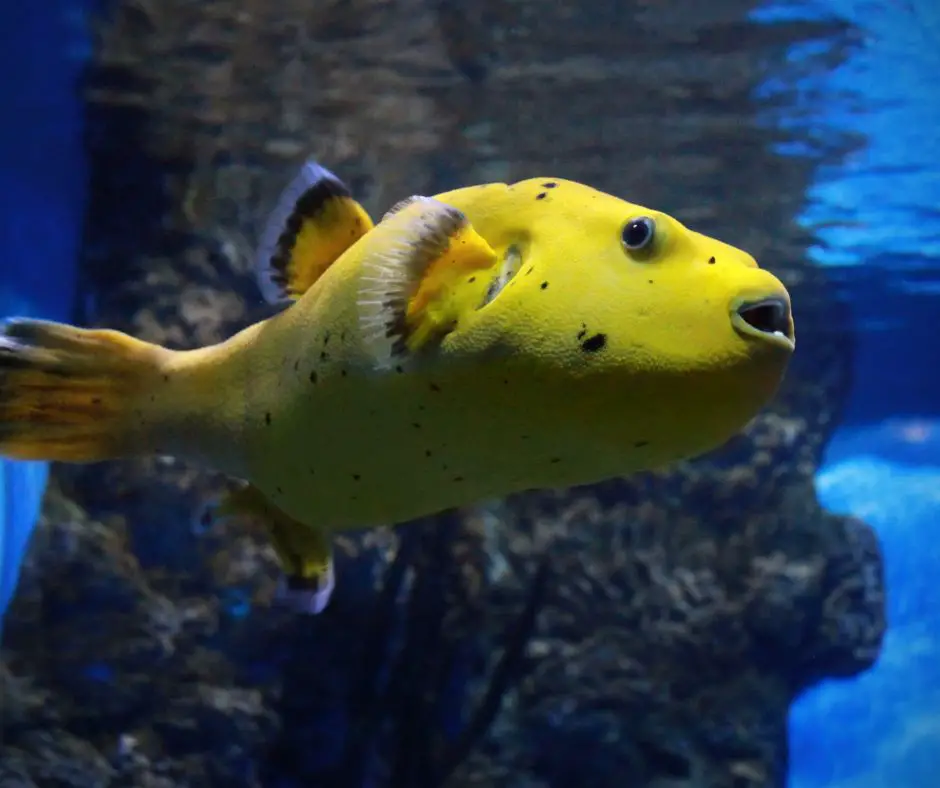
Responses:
[876,216]
[883,729]
[42,183]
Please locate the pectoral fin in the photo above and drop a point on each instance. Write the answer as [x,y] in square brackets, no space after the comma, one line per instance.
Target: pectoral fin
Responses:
[423,267]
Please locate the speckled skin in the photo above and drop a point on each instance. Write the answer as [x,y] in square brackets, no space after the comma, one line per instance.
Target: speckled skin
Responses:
[591,363]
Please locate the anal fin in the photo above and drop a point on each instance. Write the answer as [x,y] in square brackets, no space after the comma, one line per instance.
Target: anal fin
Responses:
[314,221]
[305,552]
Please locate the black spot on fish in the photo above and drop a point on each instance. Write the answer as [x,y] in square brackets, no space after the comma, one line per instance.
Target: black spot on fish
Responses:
[280,491]
[313,376]
[434,387]
[427,452]
[541,195]
[544,285]
[555,460]
[472,279]
[152,398]
[458,478]
[650,281]
[96,400]
[342,373]
[399,369]
[416,425]
[356,477]
[296,365]
[641,444]
[312,472]
[342,336]
[267,418]
[711,260]
[524,437]
[166,378]
[326,339]
[594,343]
[420,408]
[550,184]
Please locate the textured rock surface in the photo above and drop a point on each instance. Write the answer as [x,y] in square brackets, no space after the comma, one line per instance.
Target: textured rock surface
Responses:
[682,611]
[687,636]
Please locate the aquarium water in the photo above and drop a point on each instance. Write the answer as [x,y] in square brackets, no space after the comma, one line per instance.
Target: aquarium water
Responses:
[876,217]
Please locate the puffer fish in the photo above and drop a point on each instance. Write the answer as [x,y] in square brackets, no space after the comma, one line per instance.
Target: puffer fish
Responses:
[485,341]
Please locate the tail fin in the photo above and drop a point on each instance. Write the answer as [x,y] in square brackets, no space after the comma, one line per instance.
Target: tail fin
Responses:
[73,394]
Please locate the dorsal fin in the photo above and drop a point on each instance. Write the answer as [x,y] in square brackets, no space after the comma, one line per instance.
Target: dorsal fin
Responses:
[314,221]
[415,274]
[402,204]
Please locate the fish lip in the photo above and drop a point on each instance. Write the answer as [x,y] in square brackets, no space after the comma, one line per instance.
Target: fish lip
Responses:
[767,318]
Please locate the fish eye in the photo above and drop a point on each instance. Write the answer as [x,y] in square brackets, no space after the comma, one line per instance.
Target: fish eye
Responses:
[638,233]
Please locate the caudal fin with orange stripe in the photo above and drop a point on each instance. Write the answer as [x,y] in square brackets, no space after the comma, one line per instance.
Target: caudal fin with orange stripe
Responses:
[74,395]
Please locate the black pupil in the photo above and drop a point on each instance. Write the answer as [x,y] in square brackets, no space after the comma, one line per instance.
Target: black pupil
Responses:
[637,233]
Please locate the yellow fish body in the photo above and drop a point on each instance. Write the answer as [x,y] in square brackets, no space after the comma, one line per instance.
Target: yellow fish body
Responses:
[486,341]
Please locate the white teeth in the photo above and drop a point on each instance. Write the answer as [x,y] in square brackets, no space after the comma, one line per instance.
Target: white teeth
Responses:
[779,334]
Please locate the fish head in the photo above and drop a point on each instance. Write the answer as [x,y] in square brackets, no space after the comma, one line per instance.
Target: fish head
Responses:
[631,328]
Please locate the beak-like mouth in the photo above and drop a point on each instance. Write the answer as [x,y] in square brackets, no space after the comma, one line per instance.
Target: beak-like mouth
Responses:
[766,318]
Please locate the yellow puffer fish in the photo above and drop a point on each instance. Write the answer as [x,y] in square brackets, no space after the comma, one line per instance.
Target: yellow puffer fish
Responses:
[485,341]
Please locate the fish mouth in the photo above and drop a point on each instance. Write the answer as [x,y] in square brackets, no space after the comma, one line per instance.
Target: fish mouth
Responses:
[768,319]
